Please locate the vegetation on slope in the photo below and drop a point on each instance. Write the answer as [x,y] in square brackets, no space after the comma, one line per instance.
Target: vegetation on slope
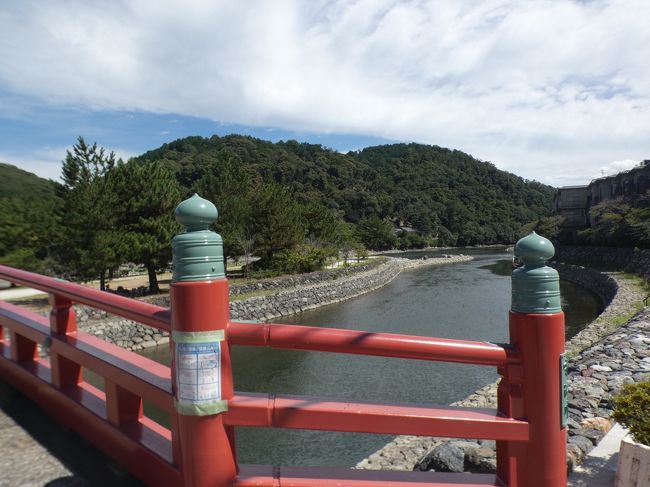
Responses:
[293,205]
[26,227]
[447,196]
[621,222]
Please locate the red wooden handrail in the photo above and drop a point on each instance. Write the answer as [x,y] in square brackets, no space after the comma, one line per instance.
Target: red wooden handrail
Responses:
[298,412]
[366,343]
[149,314]
[147,378]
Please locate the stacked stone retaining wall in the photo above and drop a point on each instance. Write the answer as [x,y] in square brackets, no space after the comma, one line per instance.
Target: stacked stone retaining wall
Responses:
[310,279]
[602,284]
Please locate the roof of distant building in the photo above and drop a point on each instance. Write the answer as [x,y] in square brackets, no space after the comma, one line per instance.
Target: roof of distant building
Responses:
[407,230]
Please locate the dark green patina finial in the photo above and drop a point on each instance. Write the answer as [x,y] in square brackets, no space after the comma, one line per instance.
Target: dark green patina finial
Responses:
[535,286]
[197,253]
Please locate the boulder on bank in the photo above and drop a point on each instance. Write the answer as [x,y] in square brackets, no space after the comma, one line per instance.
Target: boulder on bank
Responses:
[460,456]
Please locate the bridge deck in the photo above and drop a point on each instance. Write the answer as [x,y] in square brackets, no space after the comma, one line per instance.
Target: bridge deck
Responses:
[36,452]
[21,453]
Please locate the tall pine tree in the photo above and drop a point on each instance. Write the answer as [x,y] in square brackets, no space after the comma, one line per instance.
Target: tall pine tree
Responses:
[148,193]
[89,245]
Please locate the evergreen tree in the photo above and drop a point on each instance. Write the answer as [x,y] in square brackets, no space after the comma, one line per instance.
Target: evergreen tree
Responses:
[324,229]
[229,187]
[376,233]
[276,223]
[147,194]
[89,245]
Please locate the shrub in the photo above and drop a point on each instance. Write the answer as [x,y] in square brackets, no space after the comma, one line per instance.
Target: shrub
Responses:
[304,258]
[632,410]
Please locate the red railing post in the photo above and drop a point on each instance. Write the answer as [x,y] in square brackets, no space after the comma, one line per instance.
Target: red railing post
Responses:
[63,322]
[201,370]
[537,331]
[22,348]
[510,404]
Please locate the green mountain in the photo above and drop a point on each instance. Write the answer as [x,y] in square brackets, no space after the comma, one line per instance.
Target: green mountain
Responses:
[293,205]
[26,218]
[441,192]
[14,182]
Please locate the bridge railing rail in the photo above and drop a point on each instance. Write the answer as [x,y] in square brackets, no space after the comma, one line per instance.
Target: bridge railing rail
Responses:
[198,449]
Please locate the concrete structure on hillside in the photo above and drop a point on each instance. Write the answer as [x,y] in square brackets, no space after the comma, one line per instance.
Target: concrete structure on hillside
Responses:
[574,202]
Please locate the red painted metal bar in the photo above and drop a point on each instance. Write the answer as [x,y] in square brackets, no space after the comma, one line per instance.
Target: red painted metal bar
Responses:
[148,314]
[365,343]
[297,412]
[267,476]
[140,375]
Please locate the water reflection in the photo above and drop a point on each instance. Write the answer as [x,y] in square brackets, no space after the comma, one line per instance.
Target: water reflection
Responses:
[501,267]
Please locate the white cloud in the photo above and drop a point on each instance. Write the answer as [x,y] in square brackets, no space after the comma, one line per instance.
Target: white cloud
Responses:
[45,162]
[615,167]
[550,90]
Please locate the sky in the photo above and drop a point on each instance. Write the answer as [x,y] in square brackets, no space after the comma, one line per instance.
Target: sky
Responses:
[556,91]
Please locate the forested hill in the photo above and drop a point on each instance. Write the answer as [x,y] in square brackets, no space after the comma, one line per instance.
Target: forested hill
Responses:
[14,182]
[26,203]
[444,193]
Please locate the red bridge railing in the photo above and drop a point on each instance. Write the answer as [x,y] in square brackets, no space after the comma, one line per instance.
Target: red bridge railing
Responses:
[199,447]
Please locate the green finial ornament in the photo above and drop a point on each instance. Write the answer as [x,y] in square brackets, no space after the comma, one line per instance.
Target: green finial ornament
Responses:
[197,253]
[535,286]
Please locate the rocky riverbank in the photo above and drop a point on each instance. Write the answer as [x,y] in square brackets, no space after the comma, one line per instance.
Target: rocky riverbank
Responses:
[601,362]
[281,297]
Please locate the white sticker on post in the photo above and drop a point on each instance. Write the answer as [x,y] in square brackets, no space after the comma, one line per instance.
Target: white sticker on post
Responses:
[198,373]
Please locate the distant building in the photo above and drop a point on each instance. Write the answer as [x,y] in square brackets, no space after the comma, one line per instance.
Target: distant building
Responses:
[403,229]
[574,202]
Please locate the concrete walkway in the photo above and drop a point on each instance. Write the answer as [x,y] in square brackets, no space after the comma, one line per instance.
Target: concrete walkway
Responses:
[599,468]
[18,293]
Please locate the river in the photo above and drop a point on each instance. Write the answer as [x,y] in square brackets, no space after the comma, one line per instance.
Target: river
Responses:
[465,301]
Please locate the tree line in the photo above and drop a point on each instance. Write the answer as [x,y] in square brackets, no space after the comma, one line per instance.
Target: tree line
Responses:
[291,205]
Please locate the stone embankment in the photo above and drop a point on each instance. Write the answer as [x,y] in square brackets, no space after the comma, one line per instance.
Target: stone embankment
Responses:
[600,363]
[279,297]
[635,261]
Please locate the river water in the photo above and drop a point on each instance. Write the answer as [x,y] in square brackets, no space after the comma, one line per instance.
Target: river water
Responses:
[464,301]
